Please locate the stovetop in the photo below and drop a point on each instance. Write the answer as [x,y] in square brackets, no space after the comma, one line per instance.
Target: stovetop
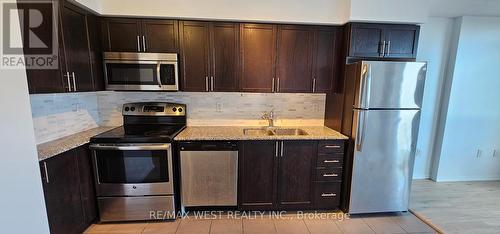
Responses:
[140,133]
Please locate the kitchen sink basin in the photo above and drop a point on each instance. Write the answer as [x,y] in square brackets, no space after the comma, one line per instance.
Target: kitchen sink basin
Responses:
[257,132]
[274,132]
[289,131]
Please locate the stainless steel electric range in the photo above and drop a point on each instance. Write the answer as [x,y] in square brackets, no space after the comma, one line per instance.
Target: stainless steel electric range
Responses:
[133,166]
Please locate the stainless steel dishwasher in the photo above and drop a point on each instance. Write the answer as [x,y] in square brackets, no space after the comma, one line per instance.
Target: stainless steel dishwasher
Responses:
[209,173]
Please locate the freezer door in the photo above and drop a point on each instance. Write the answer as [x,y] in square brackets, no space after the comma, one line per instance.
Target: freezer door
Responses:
[389,85]
[383,160]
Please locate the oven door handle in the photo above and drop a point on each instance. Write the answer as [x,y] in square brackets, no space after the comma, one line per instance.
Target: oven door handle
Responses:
[130,147]
[158,74]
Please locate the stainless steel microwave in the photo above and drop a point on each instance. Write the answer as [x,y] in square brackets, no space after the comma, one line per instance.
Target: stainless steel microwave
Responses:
[141,71]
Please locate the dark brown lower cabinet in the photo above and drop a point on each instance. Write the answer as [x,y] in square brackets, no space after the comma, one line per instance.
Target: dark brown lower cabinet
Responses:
[69,191]
[278,175]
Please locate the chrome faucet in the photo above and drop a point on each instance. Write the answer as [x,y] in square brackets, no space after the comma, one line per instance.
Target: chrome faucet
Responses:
[270,117]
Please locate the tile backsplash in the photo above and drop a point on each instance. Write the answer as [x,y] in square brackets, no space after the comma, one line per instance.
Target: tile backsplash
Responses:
[59,115]
[223,109]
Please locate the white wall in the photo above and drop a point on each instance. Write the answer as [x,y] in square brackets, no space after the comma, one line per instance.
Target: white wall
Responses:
[435,37]
[311,11]
[22,207]
[472,110]
[404,11]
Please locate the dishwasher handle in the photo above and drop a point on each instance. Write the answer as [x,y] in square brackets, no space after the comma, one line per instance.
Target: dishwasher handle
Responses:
[208,146]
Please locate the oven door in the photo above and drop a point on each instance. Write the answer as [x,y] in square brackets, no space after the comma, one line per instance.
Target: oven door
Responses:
[141,75]
[133,169]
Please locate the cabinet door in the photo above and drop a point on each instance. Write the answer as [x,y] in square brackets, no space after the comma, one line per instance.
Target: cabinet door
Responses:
[225,54]
[257,175]
[87,190]
[76,46]
[121,35]
[294,59]
[194,39]
[365,40]
[296,165]
[62,193]
[161,36]
[94,29]
[402,41]
[258,57]
[327,43]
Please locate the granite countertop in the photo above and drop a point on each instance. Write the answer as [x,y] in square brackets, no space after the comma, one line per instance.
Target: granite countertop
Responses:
[236,133]
[61,145]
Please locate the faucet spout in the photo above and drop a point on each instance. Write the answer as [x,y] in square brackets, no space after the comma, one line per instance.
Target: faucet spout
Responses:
[270,117]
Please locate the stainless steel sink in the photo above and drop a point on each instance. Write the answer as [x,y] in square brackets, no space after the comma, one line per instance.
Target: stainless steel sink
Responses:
[257,132]
[274,132]
[289,131]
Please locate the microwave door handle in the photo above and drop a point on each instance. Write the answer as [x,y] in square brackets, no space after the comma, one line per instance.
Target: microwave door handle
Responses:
[158,78]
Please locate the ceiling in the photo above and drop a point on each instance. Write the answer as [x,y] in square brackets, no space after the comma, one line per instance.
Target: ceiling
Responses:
[455,8]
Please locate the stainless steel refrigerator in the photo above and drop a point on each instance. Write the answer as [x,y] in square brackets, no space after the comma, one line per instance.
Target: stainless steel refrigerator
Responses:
[386,101]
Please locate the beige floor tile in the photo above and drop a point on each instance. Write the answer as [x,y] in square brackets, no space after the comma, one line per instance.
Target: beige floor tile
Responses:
[258,226]
[99,228]
[167,227]
[291,226]
[127,228]
[411,224]
[383,225]
[322,226]
[226,226]
[354,226]
[194,226]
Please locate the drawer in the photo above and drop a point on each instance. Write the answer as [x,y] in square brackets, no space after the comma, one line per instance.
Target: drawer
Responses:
[330,160]
[329,174]
[326,195]
[325,147]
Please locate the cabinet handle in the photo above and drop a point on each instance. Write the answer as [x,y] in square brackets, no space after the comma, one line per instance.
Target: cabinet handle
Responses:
[74,81]
[273,90]
[278,86]
[46,172]
[282,149]
[206,83]
[333,146]
[276,150]
[144,43]
[68,76]
[388,48]
[328,194]
[212,82]
[314,84]
[138,44]
[382,51]
[330,175]
[331,161]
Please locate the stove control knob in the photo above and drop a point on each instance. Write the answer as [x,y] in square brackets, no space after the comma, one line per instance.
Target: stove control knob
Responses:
[126,108]
[132,108]
[180,109]
[174,109]
[134,187]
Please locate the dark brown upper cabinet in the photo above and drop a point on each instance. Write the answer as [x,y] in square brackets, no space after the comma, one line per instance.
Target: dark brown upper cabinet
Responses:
[294,59]
[75,70]
[383,40]
[209,56]
[258,57]
[140,35]
[326,58]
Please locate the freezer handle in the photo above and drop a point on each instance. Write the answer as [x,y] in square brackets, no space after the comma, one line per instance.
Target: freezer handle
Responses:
[360,135]
[364,90]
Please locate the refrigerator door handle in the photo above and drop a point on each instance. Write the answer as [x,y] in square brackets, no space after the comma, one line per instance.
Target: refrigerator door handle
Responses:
[360,135]
[365,92]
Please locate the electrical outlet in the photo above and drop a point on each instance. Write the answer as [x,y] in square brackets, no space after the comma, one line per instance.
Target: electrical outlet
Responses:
[218,106]
[76,107]
[315,107]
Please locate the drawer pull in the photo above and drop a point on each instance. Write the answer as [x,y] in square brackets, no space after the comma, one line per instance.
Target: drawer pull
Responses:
[333,146]
[331,161]
[328,194]
[330,175]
